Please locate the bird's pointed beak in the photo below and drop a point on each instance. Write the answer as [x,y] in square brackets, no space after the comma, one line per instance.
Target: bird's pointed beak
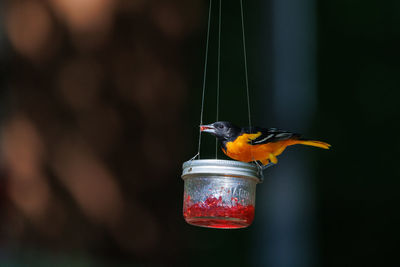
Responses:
[207,128]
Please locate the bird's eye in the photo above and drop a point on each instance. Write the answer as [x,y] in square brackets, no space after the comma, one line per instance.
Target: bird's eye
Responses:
[220,126]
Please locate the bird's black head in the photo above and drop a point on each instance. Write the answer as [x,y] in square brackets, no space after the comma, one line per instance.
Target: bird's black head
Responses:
[223,130]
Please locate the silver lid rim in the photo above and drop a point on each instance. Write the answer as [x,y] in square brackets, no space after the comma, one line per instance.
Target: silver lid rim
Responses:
[220,167]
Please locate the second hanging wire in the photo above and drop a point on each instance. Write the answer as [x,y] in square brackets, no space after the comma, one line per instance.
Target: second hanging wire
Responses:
[218,71]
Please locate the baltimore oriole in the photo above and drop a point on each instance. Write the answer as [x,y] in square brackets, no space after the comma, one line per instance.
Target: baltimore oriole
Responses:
[255,144]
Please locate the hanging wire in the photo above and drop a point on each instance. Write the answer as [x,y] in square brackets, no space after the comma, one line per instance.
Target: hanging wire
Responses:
[204,77]
[218,71]
[245,71]
[245,64]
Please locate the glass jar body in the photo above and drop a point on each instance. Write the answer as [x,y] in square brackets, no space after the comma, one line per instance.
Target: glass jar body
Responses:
[219,201]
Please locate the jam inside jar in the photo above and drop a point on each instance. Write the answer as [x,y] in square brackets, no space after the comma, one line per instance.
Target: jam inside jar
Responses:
[214,213]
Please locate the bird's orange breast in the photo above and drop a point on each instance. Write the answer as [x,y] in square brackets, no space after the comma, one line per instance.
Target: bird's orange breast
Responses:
[241,150]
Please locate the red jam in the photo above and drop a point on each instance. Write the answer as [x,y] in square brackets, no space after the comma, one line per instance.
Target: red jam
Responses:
[215,214]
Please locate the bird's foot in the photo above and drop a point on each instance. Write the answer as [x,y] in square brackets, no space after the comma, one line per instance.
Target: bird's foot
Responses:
[267,166]
[261,167]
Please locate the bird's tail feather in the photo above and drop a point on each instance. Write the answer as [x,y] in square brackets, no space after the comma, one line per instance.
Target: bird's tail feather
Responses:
[313,143]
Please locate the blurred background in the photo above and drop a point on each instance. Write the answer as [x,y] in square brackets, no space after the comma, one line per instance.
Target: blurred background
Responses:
[100,104]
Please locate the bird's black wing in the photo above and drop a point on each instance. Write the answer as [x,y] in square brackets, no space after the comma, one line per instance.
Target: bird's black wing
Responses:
[270,135]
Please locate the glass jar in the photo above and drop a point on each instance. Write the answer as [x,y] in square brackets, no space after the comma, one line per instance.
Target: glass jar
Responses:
[219,193]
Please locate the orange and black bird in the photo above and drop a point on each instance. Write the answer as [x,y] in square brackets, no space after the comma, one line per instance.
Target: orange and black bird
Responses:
[256,144]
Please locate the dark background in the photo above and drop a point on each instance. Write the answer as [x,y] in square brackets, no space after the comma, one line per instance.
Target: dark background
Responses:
[100,105]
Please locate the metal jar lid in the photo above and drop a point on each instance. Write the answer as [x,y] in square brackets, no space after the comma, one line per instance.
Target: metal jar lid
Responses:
[220,167]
